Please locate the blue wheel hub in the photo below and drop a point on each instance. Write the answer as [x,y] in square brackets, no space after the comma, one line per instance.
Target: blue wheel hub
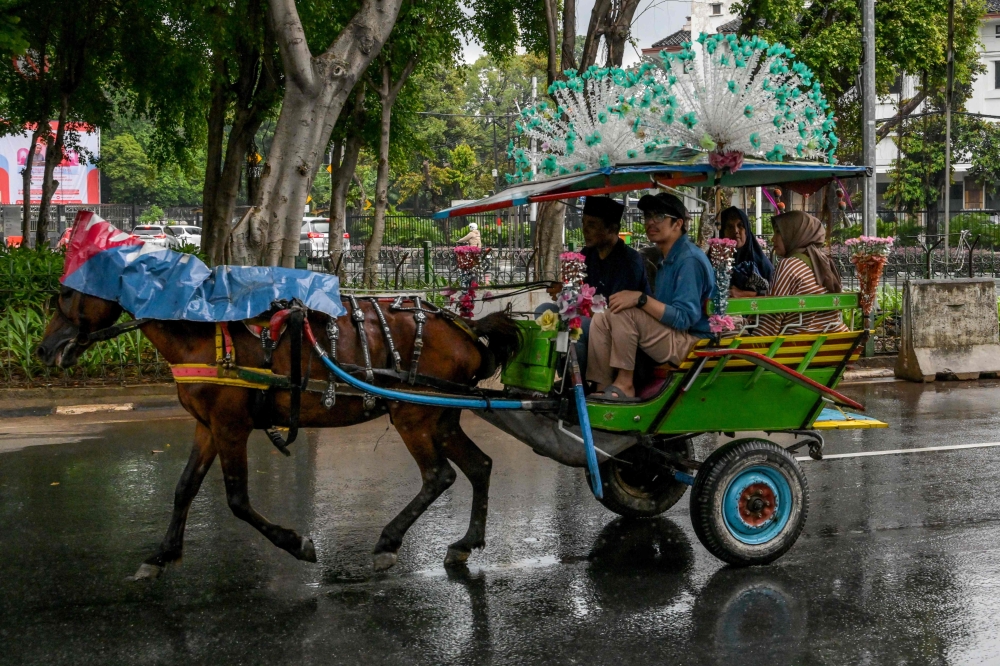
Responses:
[757,504]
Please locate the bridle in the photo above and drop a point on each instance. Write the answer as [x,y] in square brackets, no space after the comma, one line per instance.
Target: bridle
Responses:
[100,335]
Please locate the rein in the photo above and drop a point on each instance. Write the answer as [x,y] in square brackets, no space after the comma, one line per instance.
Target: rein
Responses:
[116,330]
[105,333]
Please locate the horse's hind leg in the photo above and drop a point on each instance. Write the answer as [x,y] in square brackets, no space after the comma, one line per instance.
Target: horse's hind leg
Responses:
[416,427]
[169,550]
[476,466]
[231,441]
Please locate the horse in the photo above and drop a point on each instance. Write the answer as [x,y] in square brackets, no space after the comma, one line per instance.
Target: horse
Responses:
[224,415]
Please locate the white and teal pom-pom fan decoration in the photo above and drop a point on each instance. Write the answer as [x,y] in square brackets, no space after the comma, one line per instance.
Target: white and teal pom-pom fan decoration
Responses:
[730,96]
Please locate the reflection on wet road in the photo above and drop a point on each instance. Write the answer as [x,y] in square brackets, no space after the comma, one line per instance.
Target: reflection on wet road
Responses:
[898,563]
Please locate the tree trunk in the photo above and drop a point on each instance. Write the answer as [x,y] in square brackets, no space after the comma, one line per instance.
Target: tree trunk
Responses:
[594,31]
[53,156]
[568,58]
[387,93]
[26,181]
[548,239]
[552,29]
[342,173]
[212,218]
[316,89]
[618,28]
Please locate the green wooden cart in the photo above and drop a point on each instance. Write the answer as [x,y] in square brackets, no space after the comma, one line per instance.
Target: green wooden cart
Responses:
[770,397]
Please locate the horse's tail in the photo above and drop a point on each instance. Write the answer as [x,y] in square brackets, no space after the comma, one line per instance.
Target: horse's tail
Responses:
[503,339]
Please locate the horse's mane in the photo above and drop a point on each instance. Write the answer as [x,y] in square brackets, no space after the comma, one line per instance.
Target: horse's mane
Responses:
[502,334]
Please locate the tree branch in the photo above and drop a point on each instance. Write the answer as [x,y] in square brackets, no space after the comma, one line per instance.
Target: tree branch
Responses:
[292,44]
[404,75]
[904,110]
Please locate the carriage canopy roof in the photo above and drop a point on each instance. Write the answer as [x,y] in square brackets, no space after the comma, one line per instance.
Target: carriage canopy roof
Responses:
[680,167]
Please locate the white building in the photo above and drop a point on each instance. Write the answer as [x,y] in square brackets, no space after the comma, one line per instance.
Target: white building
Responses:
[711,16]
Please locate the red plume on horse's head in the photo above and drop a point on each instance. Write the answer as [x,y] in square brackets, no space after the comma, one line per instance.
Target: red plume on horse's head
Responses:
[91,235]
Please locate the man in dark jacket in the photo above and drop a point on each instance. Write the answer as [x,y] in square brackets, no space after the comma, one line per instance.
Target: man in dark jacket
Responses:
[612,266]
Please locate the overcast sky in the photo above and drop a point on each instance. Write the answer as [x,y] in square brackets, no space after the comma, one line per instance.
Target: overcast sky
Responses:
[655,19]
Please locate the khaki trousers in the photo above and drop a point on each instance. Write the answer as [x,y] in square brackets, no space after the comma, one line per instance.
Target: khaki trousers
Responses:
[615,339]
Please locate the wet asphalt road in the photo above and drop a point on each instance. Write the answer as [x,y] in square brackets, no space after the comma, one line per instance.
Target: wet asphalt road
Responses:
[899,562]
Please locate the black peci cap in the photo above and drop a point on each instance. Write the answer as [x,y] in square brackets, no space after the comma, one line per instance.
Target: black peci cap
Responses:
[663,203]
[605,208]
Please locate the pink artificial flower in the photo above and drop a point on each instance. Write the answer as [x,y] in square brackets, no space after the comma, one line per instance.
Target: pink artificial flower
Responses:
[722,242]
[731,160]
[599,304]
[572,256]
[575,323]
[720,323]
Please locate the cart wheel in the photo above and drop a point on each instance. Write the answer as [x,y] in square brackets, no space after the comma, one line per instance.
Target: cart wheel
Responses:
[638,485]
[749,502]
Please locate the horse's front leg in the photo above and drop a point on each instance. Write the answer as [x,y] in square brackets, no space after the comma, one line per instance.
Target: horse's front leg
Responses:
[202,454]
[416,427]
[231,441]
[476,466]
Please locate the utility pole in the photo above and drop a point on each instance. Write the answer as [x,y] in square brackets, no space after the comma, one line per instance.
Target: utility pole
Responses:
[869,220]
[947,130]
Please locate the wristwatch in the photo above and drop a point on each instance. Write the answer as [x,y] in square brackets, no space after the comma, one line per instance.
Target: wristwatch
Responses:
[643,297]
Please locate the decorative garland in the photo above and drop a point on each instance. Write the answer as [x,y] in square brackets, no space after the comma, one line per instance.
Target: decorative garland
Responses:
[869,255]
[472,263]
[720,253]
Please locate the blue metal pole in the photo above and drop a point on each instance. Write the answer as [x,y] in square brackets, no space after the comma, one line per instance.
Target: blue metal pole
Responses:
[417,398]
[588,437]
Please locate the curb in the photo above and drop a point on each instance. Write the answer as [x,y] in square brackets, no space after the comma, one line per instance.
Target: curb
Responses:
[45,401]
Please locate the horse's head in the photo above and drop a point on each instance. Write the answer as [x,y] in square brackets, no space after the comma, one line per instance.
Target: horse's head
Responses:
[68,334]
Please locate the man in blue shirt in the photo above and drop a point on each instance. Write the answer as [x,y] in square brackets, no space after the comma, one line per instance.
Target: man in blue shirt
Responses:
[666,325]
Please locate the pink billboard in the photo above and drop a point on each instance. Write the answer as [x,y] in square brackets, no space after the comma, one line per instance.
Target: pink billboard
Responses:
[79,180]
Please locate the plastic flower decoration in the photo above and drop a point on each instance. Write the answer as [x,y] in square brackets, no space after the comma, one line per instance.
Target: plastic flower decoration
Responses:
[548,321]
[470,266]
[869,255]
[720,254]
[738,96]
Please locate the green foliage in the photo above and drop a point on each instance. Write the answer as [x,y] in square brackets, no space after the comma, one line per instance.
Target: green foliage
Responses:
[151,215]
[826,36]
[28,277]
[12,37]
[135,178]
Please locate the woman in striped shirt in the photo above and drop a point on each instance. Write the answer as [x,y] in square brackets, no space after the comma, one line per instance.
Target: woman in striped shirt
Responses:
[806,268]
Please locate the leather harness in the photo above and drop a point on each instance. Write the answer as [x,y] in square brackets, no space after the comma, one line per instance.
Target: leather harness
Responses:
[289,318]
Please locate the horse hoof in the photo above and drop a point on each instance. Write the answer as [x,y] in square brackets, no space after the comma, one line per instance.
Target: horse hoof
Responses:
[383,561]
[307,551]
[455,557]
[147,572]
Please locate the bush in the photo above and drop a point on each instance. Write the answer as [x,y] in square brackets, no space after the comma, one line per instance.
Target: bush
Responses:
[29,277]
[151,215]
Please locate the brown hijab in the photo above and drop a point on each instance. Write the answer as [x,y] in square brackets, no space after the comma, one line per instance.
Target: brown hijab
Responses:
[803,234]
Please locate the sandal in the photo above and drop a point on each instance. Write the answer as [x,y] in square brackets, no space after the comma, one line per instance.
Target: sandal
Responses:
[615,394]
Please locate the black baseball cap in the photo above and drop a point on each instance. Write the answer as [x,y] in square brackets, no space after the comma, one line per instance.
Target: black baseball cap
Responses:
[664,204]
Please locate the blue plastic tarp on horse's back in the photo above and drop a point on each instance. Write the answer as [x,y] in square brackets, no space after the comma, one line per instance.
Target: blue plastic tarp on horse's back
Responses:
[163,284]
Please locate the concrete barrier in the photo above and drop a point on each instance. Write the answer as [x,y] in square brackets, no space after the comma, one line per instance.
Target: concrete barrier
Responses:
[949,328]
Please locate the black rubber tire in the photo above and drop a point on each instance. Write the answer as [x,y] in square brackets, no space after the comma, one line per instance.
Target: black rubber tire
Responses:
[641,487]
[714,477]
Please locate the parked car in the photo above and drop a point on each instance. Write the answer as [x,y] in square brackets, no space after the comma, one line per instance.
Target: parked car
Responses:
[154,234]
[314,238]
[179,235]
